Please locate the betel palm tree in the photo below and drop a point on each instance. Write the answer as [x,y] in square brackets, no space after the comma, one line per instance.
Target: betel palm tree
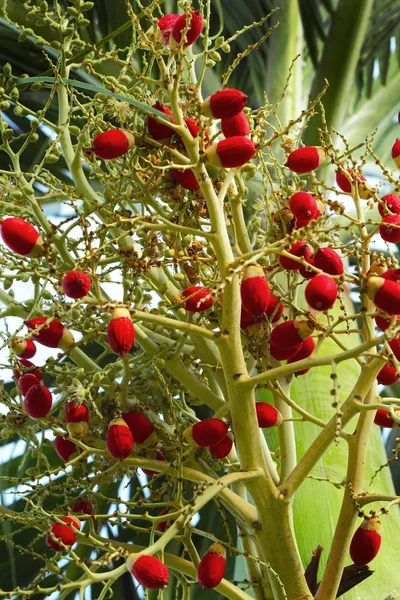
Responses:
[352,45]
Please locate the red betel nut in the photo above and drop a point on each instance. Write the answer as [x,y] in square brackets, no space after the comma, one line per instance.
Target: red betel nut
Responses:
[212,566]
[254,291]
[329,261]
[196,24]
[284,353]
[119,439]
[299,249]
[396,153]
[366,541]
[383,419]
[52,334]
[237,125]
[385,294]
[63,533]
[224,104]
[321,292]
[65,449]
[233,152]
[246,319]
[206,433]
[142,429]
[389,204]
[382,323]
[274,309]
[21,237]
[267,415]
[26,382]
[76,284]
[305,351]
[198,298]
[82,506]
[222,449]
[37,402]
[303,205]
[113,143]
[390,229]
[387,375]
[149,572]
[76,417]
[291,333]
[345,180]
[120,331]
[187,179]
[392,275]
[306,272]
[23,366]
[306,159]
[24,348]
[157,130]
[165,25]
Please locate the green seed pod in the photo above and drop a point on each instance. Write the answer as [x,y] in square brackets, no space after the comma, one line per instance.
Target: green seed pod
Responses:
[83,22]
[55,44]
[214,55]
[39,42]
[170,253]
[22,37]
[4,105]
[18,110]
[36,86]
[16,195]
[31,15]
[210,63]
[219,41]
[225,48]
[47,295]
[34,137]
[8,133]
[51,158]
[181,312]
[14,94]
[44,7]
[160,362]
[7,283]
[73,11]
[179,277]
[164,287]
[162,309]
[74,130]
[7,70]
[87,6]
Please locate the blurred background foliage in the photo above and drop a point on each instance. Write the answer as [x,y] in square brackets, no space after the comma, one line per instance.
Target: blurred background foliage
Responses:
[354,44]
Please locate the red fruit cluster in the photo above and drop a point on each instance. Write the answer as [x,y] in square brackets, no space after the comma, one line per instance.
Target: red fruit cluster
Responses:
[267,415]
[119,439]
[291,333]
[198,298]
[329,261]
[76,417]
[232,152]
[63,535]
[237,125]
[113,143]
[396,153]
[83,506]
[149,572]
[206,433]
[65,449]
[307,348]
[141,428]
[212,566]
[38,400]
[187,179]
[52,334]
[346,179]
[321,292]
[157,130]
[76,284]
[25,348]
[120,331]
[26,366]
[254,291]
[306,159]
[222,448]
[366,541]
[196,25]
[299,249]
[21,237]
[224,104]
[385,294]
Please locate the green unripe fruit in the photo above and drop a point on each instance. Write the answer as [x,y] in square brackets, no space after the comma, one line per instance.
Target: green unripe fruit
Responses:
[214,55]
[179,277]
[74,130]
[210,63]
[47,295]
[8,133]
[55,44]
[163,309]
[22,37]
[7,283]
[51,158]
[14,94]
[25,277]
[87,6]
[34,137]
[7,69]
[40,42]
[181,312]
[4,105]
[31,15]
[219,41]
[225,48]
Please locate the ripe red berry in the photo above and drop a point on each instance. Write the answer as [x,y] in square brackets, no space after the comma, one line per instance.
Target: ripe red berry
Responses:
[387,375]
[366,541]
[383,323]
[345,180]
[306,272]
[389,204]
[233,152]
[187,179]
[274,309]
[119,439]
[395,347]
[26,382]
[149,572]
[305,351]
[76,417]
[156,455]
[165,25]
[113,143]
[25,348]
[306,159]
[63,533]
[321,292]
[385,294]
[291,333]
[38,401]
[195,28]
[329,261]
[120,331]
[65,449]
[284,353]
[303,205]
[267,415]
[392,275]
[254,291]
[52,334]
[76,284]
[212,566]
[21,237]
[298,248]
[157,130]
[206,433]
[396,153]
[246,319]
[198,298]
[303,222]
[383,419]
[222,449]
[224,104]
[83,506]
[26,366]
[390,229]
[237,125]
[142,429]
